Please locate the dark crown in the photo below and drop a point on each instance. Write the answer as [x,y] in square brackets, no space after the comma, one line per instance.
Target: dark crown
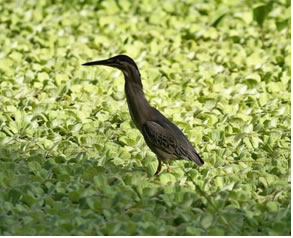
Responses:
[125,58]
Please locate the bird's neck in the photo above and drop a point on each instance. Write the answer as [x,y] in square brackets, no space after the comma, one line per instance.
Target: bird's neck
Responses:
[138,106]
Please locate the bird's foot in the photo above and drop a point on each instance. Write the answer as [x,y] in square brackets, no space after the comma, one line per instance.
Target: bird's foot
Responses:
[156,174]
[168,168]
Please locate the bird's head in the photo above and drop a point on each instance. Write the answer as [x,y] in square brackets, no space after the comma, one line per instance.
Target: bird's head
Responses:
[122,62]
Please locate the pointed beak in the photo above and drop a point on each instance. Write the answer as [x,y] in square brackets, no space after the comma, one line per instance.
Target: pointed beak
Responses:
[108,62]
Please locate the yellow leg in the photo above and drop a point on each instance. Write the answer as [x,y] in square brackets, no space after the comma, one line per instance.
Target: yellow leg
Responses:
[168,167]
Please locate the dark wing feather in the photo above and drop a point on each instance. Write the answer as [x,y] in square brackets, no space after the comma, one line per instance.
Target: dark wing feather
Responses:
[169,142]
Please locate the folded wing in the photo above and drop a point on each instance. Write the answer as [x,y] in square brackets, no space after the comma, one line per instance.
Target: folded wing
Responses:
[170,141]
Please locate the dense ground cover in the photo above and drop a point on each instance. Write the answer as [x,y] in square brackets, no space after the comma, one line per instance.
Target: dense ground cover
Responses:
[72,163]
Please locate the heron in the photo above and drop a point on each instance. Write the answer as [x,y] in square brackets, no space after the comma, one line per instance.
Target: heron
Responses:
[163,137]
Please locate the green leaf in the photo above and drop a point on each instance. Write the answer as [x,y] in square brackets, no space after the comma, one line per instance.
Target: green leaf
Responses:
[220,14]
[14,196]
[219,181]
[99,180]
[283,24]
[61,78]
[43,76]
[34,166]
[207,221]
[261,12]
[273,206]
[74,196]
[29,199]
[167,178]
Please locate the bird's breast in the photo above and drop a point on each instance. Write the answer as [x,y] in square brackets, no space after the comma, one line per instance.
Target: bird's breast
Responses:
[132,114]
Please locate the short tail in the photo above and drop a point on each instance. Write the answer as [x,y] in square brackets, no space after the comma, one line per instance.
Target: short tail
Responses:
[196,158]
